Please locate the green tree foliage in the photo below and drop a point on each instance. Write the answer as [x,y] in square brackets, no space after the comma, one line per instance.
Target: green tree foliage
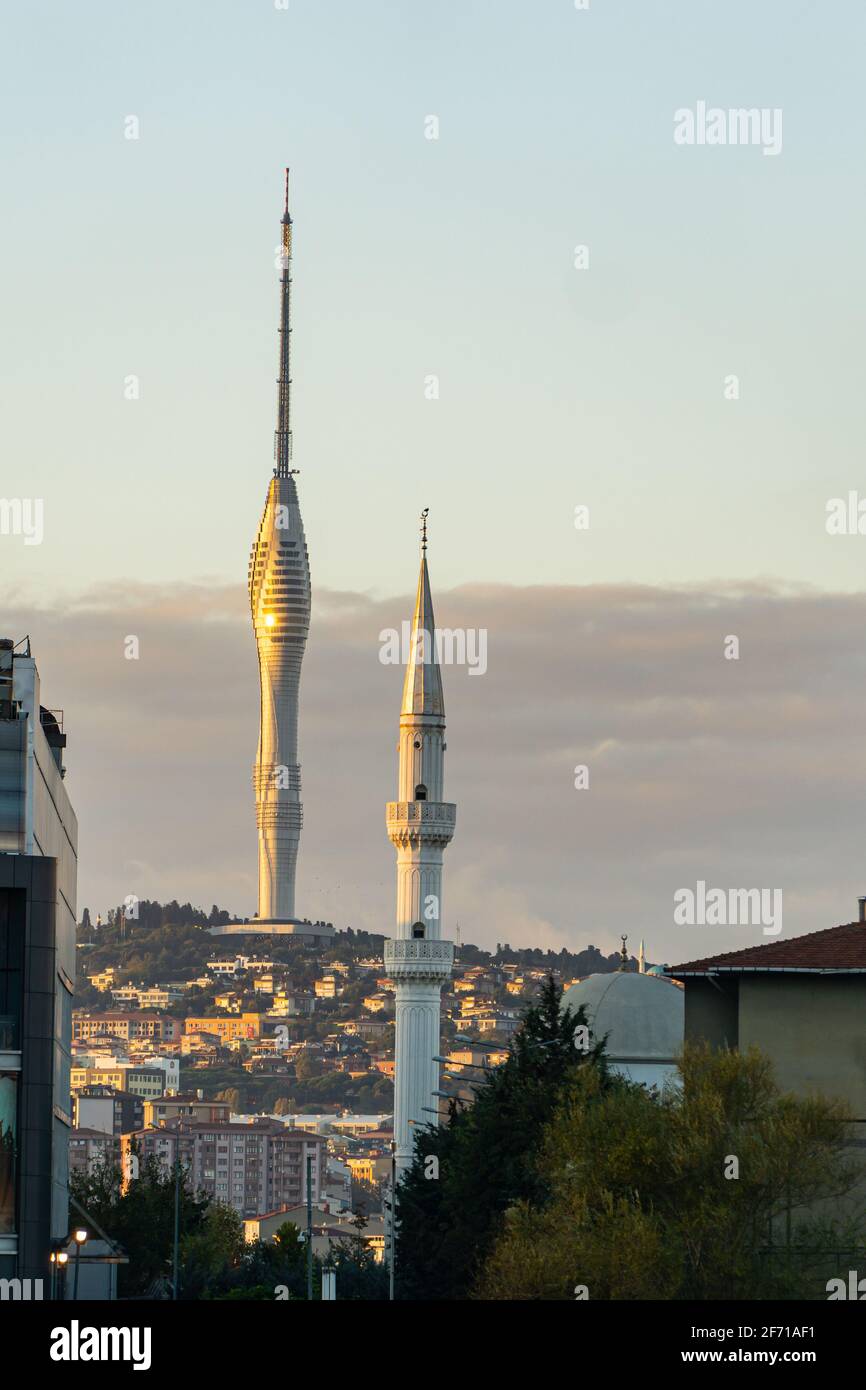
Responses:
[308,1067]
[679,1195]
[141,1219]
[358,1274]
[281,1264]
[215,1262]
[210,1253]
[466,1173]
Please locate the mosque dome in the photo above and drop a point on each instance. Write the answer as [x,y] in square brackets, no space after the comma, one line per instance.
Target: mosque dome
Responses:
[643,1016]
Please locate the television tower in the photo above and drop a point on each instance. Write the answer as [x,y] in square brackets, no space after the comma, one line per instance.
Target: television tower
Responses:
[279,587]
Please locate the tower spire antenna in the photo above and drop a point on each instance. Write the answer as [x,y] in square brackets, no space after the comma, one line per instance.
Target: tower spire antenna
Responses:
[283,432]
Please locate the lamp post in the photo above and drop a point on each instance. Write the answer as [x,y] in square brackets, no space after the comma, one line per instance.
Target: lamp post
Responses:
[79,1235]
[309,1227]
[62,1262]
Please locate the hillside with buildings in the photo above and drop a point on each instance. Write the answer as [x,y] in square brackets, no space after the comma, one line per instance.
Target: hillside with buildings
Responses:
[189,1045]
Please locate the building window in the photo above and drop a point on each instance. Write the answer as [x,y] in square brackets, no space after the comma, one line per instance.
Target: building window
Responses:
[8,1150]
[11,970]
[420,792]
[418,931]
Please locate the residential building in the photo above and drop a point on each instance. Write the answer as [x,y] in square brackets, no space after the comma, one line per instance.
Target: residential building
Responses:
[91,1148]
[505,1023]
[104,980]
[330,1228]
[147,1082]
[107,1110]
[802,1001]
[295,1005]
[226,1029]
[191,1106]
[370,1168]
[254,1168]
[376,1003]
[127,1023]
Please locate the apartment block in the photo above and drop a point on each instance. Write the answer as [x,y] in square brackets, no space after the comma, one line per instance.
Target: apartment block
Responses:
[127,1023]
[227,1029]
[254,1168]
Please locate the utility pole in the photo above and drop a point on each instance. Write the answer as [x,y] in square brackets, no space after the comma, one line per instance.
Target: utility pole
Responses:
[392,1218]
[175,1262]
[309,1227]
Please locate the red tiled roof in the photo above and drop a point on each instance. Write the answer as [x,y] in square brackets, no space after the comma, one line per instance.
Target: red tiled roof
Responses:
[837,948]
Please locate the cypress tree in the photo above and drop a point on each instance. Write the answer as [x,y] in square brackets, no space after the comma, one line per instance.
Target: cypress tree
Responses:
[469,1170]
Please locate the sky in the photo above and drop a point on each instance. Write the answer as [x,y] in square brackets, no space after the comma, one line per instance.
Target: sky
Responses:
[746,773]
[598,379]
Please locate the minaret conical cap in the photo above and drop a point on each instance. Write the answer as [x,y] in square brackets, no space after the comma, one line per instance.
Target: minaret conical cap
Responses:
[422,688]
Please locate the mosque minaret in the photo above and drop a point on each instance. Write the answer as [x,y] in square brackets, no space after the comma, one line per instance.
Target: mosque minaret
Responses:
[420,825]
[279,588]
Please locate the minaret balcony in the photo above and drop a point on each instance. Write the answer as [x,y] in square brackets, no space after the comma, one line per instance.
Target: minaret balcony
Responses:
[409,960]
[420,822]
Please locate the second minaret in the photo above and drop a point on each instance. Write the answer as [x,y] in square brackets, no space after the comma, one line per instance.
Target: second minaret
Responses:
[420,825]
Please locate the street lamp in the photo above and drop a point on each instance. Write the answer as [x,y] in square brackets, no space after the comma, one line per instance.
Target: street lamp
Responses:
[79,1235]
[62,1262]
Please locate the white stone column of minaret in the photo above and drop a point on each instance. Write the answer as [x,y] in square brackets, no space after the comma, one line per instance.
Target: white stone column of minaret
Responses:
[420,824]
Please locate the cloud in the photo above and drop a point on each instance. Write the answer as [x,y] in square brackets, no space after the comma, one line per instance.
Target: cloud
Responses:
[746,773]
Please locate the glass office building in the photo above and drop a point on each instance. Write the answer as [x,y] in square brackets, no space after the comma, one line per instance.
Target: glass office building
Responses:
[38,873]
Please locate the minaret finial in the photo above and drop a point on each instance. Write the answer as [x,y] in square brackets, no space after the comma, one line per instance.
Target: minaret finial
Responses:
[424,515]
[623,955]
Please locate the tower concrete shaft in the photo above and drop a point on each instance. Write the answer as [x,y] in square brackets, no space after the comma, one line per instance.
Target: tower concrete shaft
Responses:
[420,824]
[279,589]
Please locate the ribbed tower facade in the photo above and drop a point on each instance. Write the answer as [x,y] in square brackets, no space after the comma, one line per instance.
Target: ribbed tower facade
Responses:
[420,824]
[279,587]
